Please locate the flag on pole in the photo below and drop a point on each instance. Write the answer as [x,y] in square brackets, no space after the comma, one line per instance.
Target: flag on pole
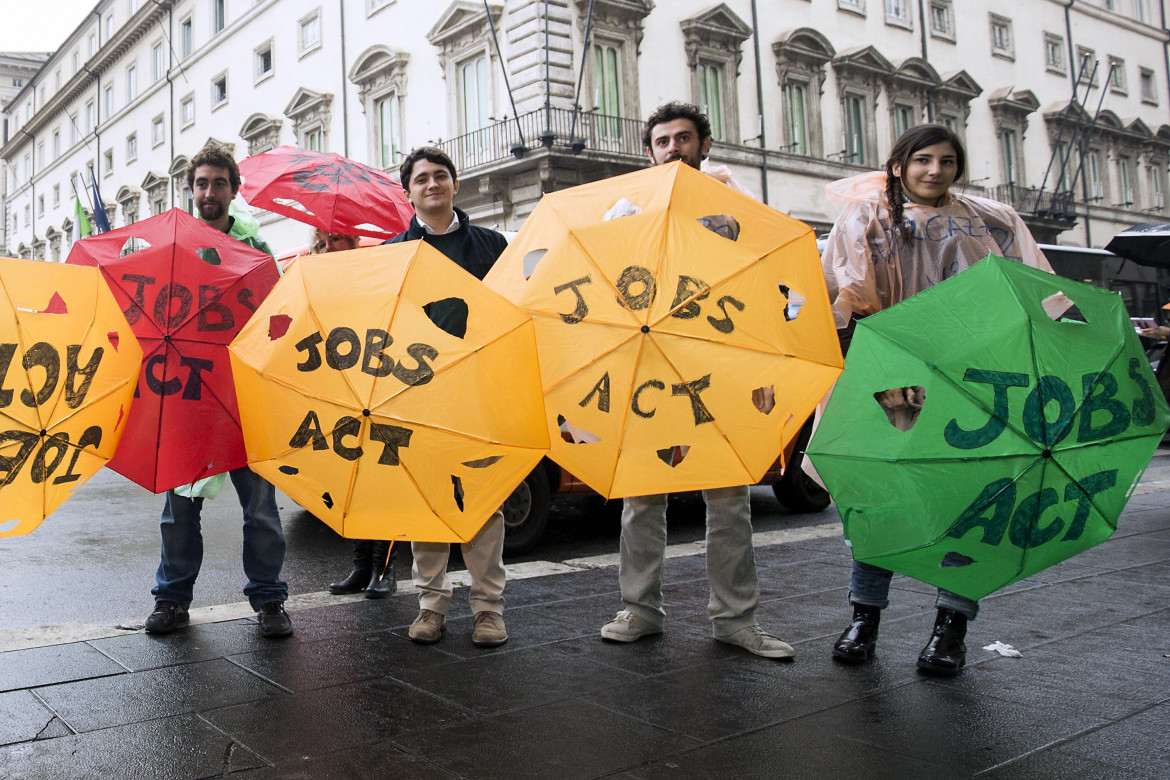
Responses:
[100,220]
[81,226]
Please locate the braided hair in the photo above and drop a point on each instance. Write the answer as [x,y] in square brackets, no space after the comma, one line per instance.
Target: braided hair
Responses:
[907,144]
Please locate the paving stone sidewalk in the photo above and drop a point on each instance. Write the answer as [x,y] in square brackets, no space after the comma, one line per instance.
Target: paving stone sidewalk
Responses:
[349,696]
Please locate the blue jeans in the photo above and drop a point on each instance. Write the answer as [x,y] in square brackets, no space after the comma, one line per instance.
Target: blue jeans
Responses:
[182,543]
[870,585]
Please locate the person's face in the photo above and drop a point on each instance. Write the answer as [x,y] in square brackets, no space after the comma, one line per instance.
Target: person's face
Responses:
[212,192]
[677,139]
[431,190]
[929,173]
[334,242]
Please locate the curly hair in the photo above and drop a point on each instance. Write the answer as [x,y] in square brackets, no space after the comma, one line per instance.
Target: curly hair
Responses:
[431,154]
[215,155]
[672,111]
[907,144]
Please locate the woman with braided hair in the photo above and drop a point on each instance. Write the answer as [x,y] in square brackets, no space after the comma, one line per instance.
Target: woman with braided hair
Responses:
[902,231]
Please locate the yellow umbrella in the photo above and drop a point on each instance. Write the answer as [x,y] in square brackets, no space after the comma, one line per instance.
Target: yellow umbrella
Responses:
[68,367]
[358,404]
[661,320]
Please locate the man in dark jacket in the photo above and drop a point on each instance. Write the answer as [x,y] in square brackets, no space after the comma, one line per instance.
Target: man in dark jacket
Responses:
[428,176]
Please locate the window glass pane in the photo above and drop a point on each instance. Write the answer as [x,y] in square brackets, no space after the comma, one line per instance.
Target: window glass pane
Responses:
[797,121]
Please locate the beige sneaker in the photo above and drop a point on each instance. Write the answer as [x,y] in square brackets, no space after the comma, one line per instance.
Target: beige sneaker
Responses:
[489,630]
[628,627]
[753,639]
[428,627]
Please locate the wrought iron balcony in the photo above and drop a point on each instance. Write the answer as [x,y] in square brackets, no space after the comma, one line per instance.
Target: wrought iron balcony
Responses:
[1030,201]
[501,140]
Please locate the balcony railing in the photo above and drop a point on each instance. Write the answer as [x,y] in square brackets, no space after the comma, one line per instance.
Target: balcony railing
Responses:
[1038,203]
[500,140]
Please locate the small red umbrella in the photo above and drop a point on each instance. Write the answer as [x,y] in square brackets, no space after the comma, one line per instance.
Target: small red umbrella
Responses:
[186,290]
[327,191]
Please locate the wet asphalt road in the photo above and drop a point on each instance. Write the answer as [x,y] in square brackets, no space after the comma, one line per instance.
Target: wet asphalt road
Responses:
[93,560]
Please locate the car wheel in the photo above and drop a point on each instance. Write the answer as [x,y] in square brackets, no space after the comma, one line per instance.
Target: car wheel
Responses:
[526,512]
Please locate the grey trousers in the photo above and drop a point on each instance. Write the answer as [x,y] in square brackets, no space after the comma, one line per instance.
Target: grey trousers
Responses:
[731,562]
[484,556]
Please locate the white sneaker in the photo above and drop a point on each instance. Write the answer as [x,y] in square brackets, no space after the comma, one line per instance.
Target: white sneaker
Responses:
[628,627]
[753,639]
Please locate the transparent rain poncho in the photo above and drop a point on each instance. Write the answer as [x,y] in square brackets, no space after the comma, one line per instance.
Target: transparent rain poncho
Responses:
[868,267]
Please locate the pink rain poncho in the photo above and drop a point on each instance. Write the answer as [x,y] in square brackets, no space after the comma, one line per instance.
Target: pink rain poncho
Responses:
[868,267]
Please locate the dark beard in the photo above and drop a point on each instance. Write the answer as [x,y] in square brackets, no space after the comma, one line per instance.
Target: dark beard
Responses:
[210,212]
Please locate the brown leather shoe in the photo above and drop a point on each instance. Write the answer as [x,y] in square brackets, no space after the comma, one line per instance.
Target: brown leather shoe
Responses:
[489,630]
[428,627]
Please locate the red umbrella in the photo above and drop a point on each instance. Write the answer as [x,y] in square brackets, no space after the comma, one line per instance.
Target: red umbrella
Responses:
[327,191]
[186,290]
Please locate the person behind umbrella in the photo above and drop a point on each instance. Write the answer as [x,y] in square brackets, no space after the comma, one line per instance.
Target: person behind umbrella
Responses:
[679,131]
[324,241]
[214,180]
[373,560]
[429,178]
[896,237]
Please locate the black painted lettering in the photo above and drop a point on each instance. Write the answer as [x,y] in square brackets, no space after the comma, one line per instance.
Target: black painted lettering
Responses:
[162,305]
[10,465]
[309,431]
[90,437]
[635,400]
[74,395]
[213,315]
[725,325]
[692,390]
[582,309]
[6,353]
[193,391]
[43,355]
[308,345]
[963,439]
[376,342]
[601,390]
[347,427]
[636,287]
[393,437]
[1000,497]
[687,287]
[156,384]
[138,297]
[422,372]
[40,470]
[334,357]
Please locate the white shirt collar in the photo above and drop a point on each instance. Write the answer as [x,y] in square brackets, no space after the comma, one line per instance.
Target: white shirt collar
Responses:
[450,228]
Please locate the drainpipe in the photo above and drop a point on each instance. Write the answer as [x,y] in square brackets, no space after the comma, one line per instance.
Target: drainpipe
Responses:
[344,91]
[1165,46]
[171,101]
[760,105]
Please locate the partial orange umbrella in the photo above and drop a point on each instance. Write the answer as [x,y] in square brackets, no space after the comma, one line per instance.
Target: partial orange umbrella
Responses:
[390,393]
[68,367]
[669,357]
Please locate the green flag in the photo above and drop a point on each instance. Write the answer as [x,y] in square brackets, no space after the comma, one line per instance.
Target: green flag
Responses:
[81,226]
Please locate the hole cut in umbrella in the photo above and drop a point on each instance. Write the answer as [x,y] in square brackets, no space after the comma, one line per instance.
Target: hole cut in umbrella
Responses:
[573,434]
[1061,308]
[764,399]
[905,414]
[132,245]
[621,208]
[955,559]
[531,260]
[793,302]
[483,463]
[449,315]
[457,485]
[672,456]
[209,255]
[722,225]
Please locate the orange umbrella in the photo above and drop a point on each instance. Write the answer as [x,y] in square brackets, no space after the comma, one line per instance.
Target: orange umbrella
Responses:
[68,366]
[663,329]
[390,393]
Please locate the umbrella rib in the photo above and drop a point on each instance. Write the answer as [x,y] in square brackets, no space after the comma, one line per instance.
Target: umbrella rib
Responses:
[321,328]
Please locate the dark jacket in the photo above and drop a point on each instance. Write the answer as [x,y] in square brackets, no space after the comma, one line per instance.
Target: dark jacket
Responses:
[481,246]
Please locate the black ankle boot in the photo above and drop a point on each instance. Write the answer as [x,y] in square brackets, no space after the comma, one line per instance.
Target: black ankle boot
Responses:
[945,653]
[362,565]
[381,582]
[859,642]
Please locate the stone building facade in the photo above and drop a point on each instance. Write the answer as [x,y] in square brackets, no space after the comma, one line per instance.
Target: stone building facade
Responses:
[530,96]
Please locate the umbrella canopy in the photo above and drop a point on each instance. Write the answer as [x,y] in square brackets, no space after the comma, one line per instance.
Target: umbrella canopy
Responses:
[390,393]
[327,191]
[186,289]
[1145,244]
[68,363]
[1031,435]
[668,356]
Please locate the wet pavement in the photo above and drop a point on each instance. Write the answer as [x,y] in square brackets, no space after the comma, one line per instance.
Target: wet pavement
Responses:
[349,696]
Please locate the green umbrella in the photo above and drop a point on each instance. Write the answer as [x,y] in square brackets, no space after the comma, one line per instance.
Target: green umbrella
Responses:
[1032,433]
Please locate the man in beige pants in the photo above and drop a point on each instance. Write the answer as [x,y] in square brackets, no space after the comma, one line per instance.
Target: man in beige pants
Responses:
[428,176]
